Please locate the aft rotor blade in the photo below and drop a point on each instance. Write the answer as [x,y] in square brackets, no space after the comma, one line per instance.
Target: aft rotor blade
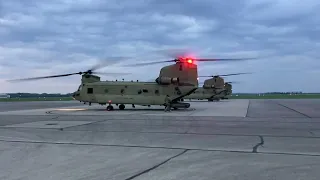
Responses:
[222,59]
[233,74]
[44,77]
[173,52]
[205,76]
[150,63]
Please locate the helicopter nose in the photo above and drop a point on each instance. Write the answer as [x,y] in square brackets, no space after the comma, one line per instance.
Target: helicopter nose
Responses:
[75,94]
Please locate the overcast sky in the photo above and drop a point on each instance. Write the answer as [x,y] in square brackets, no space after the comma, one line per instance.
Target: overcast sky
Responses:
[40,38]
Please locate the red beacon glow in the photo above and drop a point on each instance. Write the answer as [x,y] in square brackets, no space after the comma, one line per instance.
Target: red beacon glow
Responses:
[186,60]
[189,61]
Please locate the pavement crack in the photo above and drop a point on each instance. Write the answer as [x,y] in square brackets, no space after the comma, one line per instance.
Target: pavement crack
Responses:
[261,143]
[293,110]
[155,147]
[156,166]
[310,132]
[57,117]
[248,108]
[89,123]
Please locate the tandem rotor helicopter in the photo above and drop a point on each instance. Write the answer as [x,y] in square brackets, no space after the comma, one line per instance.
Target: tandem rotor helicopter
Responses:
[214,88]
[174,82]
[228,87]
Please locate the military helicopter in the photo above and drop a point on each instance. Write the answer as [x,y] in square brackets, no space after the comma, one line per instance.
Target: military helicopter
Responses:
[174,83]
[213,89]
[228,87]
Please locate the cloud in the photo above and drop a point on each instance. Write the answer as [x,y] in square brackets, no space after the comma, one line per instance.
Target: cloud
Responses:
[40,38]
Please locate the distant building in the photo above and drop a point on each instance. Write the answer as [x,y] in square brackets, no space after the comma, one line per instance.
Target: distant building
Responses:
[4,96]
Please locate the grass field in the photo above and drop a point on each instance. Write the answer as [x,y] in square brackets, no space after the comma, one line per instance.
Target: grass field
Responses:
[275,96]
[234,96]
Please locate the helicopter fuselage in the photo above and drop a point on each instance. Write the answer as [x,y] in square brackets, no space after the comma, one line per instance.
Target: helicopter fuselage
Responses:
[126,92]
[173,83]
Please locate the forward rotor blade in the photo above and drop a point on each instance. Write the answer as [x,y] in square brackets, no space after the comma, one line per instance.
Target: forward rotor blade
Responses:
[44,77]
[98,66]
[90,71]
[110,73]
[233,82]
[105,63]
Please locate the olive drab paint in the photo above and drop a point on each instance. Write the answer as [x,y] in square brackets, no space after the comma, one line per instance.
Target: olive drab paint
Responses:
[174,82]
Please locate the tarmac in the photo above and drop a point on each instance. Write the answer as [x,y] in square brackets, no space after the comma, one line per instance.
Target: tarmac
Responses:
[230,139]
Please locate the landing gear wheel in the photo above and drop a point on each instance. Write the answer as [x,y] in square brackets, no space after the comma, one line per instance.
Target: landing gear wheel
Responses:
[122,106]
[110,108]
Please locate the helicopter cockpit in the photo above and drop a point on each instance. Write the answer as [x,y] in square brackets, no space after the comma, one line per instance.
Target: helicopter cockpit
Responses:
[80,88]
[77,93]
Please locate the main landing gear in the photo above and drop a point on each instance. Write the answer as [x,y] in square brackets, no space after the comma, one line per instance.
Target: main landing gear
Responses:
[122,106]
[110,107]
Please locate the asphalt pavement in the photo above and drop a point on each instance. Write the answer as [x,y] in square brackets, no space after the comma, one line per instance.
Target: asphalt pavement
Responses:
[233,139]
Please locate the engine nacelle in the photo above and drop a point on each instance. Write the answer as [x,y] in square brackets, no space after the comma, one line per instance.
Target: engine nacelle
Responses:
[88,78]
[167,80]
[175,80]
[208,86]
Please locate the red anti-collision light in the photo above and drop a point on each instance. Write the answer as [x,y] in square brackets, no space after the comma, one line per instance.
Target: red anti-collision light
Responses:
[189,61]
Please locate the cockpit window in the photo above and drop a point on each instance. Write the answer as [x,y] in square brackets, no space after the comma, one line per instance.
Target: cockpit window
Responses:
[80,88]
